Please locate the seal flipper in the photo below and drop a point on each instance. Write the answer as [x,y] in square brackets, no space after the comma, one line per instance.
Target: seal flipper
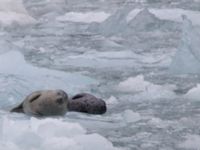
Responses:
[18,109]
[31,98]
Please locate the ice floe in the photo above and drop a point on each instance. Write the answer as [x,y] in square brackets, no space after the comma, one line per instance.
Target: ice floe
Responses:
[48,133]
[144,89]
[191,142]
[175,14]
[130,116]
[194,93]
[16,65]
[13,11]
[187,58]
[112,100]
[87,17]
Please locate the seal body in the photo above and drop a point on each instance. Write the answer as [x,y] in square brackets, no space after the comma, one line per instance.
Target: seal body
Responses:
[87,103]
[44,103]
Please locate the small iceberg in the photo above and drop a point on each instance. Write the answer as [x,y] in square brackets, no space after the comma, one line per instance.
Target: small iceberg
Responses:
[187,57]
[12,11]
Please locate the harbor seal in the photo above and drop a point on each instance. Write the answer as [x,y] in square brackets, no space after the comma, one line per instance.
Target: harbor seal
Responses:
[87,103]
[44,103]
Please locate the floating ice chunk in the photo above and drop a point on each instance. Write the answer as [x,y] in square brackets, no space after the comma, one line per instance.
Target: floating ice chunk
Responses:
[108,59]
[187,58]
[5,45]
[144,20]
[129,20]
[134,84]
[94,141]
[9,127]
[132,14]
[192,142]
[130,116]
[194,93]
[156,92]
[157,122]
[13,11]
[114,59]
[42,134]
[11,17]
[8,146]
[12,5]
[55,128]
[175,14]
[28,139]
[61,143]
[125,117]
[106,55]
[116,23]
[45,78]
[144,89]
[112,100]
[84,17]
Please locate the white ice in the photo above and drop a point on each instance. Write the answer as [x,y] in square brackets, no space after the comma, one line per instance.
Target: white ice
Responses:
[132,14]
[112,100]
[187,57]
[13,11]
[16,65]
[111,59]
[137,23]
[191,142]
[173,14]
[134,84]
[130,116]
[194,93]
[116,23]
[143,89]
[125,117]
[45,134]
[129,19]
[87,17]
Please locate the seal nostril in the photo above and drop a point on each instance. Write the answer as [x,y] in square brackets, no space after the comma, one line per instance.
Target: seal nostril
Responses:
[60,101]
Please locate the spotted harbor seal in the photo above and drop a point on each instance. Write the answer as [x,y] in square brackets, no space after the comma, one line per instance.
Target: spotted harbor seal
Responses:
[44,103]
[87,103]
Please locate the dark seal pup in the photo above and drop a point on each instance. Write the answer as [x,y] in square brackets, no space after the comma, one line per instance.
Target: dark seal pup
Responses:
[87,103]
[44,103]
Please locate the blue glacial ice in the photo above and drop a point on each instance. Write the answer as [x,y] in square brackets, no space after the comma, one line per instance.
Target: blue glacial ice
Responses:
[21,77]
[187,58]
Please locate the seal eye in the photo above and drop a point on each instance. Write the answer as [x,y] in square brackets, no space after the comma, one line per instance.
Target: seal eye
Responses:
[59,101]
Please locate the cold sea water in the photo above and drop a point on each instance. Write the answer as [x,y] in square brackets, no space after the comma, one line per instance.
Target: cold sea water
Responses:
[141,56]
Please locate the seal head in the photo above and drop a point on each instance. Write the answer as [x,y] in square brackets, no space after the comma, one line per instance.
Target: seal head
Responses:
[87,103]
